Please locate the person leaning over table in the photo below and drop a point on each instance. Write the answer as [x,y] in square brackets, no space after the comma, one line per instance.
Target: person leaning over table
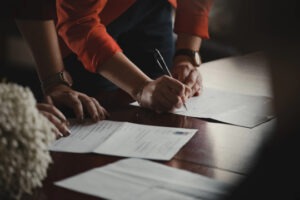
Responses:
[38,29]
[113,41]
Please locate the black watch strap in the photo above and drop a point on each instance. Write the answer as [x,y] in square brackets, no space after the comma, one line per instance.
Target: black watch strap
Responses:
[193,55]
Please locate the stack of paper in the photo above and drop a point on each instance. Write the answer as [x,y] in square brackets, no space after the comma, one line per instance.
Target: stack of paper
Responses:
[237,109]
[124,139]
[144,180]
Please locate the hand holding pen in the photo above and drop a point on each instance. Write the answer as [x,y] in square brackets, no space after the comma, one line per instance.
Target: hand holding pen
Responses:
[162,64]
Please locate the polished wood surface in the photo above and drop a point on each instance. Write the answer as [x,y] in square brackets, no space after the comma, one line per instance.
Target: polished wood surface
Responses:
[217,150]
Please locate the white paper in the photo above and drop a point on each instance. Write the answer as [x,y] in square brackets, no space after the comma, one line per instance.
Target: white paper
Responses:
[143,179]
[237,109]
[125,139]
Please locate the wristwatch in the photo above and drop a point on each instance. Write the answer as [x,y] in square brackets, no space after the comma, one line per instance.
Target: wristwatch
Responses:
[62,77]
[193,55]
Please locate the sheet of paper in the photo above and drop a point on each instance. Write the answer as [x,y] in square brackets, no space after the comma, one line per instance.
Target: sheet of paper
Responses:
[142,179]
[86,137]
[237,109]
[125,139]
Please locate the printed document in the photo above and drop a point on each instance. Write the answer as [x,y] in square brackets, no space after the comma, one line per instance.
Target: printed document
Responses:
[237,109]
[124,139]
[145,180]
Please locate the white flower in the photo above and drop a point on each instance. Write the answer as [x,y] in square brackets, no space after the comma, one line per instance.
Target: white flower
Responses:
[25,135]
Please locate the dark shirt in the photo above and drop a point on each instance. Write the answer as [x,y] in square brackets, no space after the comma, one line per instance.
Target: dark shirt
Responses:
[28,9]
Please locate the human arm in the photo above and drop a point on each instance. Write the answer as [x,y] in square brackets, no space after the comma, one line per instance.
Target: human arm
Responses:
[191,26]
[162,94]
[81,26]
[42,39]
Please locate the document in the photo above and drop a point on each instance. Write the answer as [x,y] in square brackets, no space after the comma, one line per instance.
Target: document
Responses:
[124,139]
[236,109]
[133,178]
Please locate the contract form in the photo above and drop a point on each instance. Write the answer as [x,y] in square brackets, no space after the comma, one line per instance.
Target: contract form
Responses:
[124,139]
[232,108]
[145,180]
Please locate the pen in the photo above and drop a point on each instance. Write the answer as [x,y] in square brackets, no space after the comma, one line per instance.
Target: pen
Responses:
[162,64]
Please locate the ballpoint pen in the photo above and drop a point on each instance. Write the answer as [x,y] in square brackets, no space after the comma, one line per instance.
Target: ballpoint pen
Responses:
[162,64]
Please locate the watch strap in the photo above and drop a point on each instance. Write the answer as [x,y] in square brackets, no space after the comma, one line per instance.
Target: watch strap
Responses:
[61,77]
[193,55]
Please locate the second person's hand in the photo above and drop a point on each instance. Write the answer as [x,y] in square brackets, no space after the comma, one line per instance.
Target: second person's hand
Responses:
[56,118]
[186,73]
[80,103]
[163,94]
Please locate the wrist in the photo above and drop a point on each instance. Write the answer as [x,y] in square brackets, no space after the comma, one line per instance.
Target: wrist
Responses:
[178,60]
[187,55]
[138,92]
[58,79]
[55,88]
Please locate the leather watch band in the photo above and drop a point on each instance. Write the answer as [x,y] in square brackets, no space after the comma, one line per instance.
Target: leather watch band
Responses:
[62,77]
[193,55]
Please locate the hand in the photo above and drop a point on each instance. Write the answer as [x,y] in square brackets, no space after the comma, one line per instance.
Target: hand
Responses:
[162,94]
[186,73]
[56,117]
[62,95]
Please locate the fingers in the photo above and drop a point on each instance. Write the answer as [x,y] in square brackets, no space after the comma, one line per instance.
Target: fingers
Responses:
[100,109]
[166,101]
[48,99]
[90,107]
[181,71]
[93,107]
[81,103]
[163,94]
[194,81]
[192,78]
[61,127]
[51,109]
[73,102]
[172,84]
[186,73]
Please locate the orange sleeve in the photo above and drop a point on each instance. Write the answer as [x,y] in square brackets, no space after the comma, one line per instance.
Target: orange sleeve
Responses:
[192,17]
[80,27]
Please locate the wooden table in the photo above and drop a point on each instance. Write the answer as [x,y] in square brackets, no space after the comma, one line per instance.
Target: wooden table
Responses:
[220,151]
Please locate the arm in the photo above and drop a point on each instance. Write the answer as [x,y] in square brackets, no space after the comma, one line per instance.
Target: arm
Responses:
[191,25]
[80,26]
[42,39]
[162,94]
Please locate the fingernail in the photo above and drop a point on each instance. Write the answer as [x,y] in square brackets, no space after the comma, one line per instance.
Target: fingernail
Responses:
[68,131]
[60,135]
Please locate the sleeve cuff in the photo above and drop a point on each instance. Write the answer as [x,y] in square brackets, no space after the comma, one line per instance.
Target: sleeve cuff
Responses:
[197,26]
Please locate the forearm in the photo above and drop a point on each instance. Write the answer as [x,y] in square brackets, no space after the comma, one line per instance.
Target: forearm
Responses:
[42,39]
[187,41]
[123,73]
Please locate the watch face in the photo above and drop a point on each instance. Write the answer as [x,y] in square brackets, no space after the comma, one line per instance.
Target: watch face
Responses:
[197,59]
[193,56]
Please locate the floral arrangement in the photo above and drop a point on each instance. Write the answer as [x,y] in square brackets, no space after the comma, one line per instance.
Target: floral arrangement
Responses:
[25,135]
